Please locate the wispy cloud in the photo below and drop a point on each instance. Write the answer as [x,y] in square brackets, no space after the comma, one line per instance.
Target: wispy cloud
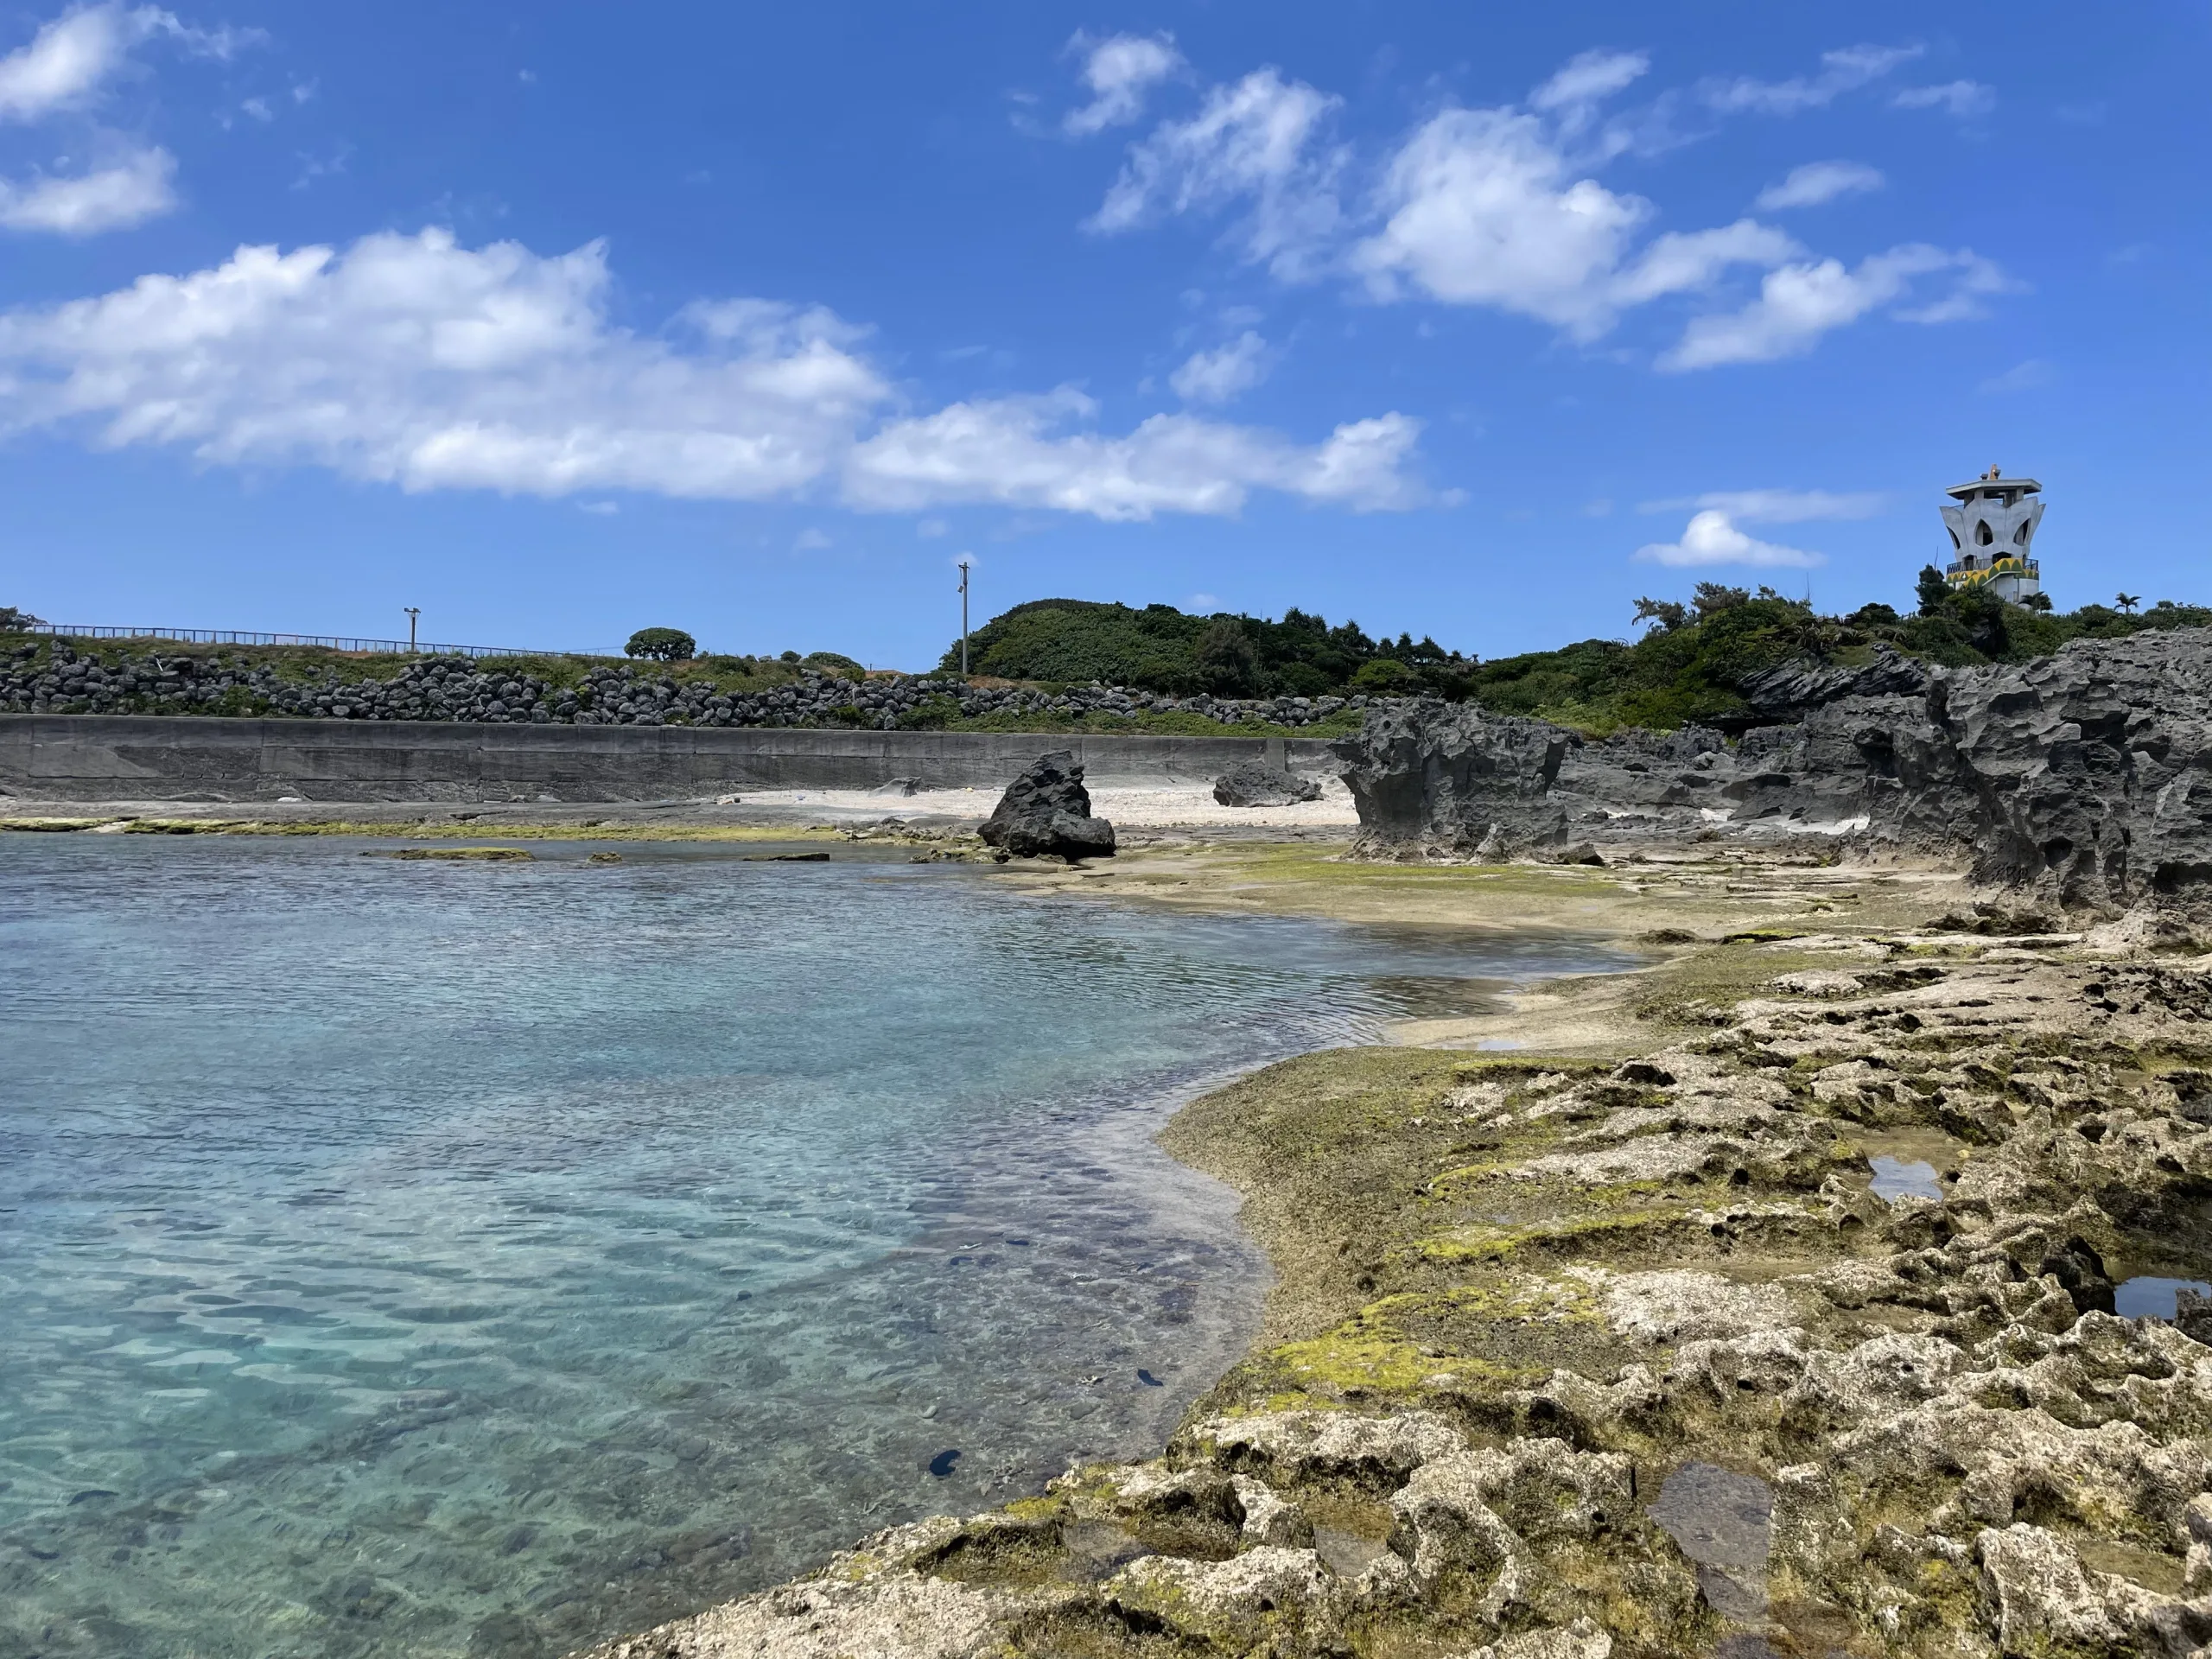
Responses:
[1120,70]
[1799,303]
[1960,98]
[1779,506]
[1816,182]
[1845,70]
[138,188]
[1496,208]
[2025,376]
[1223,374]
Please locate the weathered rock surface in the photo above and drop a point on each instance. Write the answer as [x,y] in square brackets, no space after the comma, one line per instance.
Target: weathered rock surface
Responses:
[2086,775]
[1047,810]
[1437,780]
[1254,783]
[1792,691]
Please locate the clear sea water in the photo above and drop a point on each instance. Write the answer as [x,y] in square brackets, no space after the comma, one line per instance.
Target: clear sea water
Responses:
[424,1259]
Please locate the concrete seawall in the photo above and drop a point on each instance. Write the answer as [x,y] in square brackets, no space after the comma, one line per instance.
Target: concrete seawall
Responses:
[150,757]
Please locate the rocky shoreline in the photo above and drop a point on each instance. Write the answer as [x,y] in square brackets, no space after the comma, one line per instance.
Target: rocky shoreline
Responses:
[1629,1347]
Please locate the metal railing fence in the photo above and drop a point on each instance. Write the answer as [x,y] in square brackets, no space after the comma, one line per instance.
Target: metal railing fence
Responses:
[328,642]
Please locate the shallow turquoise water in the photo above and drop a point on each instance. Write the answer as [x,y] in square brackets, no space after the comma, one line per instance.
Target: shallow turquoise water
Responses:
[430,1259]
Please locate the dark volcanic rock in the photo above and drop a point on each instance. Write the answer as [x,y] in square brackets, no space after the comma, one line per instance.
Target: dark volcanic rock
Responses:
[1047,809]
[1254,783]
[1439,780]
[1792,691]
[2086,775]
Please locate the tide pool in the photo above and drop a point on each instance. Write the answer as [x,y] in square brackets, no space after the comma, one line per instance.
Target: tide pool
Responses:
[426,1259]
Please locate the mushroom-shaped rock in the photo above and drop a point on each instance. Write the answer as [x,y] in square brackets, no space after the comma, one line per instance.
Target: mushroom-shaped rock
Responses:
[1047,809]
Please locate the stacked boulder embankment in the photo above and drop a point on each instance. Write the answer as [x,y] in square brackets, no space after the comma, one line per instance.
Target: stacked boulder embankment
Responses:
[2086,774]
[59,677]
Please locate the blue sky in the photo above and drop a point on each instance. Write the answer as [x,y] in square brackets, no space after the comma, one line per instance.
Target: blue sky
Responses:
[559,321]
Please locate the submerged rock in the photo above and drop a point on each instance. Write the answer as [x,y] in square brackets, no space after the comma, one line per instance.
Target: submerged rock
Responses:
[1254,783]
[1047,810]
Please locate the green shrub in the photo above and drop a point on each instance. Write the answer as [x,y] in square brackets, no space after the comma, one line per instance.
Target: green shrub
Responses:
[834,663]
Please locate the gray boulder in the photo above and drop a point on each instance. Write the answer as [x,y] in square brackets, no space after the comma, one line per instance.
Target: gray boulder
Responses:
[1254,783]
[1047,809]
[1438,780]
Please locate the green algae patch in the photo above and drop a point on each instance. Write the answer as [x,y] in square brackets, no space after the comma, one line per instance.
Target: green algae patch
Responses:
[1468,1244]
[52,826]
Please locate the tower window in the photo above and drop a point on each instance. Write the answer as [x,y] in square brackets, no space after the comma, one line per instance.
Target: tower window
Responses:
[2021,534]
[1983,534]
[1955,538]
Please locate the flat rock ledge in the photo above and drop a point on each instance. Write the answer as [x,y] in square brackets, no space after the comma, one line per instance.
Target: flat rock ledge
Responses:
[1634,1359]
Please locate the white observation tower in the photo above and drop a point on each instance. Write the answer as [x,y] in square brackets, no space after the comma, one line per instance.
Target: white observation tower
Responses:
[1992,526]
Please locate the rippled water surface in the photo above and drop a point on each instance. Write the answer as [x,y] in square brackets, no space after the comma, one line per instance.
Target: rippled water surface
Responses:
[429,1259]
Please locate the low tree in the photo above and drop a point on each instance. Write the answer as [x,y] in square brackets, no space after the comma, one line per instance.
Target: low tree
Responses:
[1711,598]
[1932,591]
[662,645]
[1668,613]
[2127,602]
[15,622]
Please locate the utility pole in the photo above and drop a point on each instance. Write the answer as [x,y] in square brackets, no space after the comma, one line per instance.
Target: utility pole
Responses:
[964,563]
[413,611]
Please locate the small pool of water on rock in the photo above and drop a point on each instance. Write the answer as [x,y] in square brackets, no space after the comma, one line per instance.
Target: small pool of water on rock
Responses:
[439,1258]
[2146,1297]
[1904,1178]
[1723,1522]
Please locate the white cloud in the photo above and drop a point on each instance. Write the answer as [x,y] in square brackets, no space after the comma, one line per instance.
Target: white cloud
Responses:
[1842,71]
[600,509]
[1798,303]
[133,190]
[1483,210]
[1224,374]
[1258,139]
[1682,261]
[1819,182]
[1588,80]
[1012,452]
[930,529]
[1710,538]
[1494,207]
[67,62]
[407,360]
[810,540]
[1780,506]
[1960,98]
[1119,70]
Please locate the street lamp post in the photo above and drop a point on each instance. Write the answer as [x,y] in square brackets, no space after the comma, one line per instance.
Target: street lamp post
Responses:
[413,611]
[965,562]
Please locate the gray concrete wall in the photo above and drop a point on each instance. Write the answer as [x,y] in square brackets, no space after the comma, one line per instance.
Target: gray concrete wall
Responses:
[151,757]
